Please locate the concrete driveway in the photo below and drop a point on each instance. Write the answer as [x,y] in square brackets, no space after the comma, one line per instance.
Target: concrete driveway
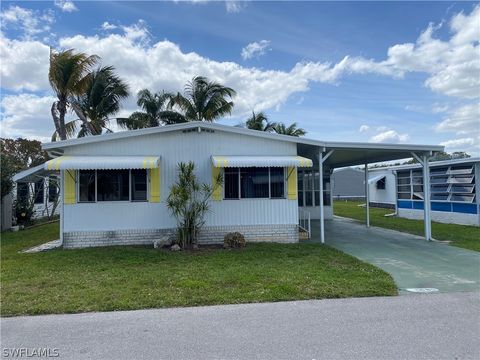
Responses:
[412,261]
[434,326]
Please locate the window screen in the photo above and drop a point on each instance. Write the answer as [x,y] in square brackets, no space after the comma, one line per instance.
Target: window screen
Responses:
[87,185]
[112,185]
[254,182]
[231,180]
[39,191]
[277,183]
[52,190]
[139,185]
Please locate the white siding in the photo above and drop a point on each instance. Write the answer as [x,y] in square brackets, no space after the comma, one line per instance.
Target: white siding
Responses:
[173,148]
[387,196]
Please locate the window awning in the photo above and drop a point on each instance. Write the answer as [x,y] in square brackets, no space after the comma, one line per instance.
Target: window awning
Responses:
[260,161]
[375,179]
[102,162]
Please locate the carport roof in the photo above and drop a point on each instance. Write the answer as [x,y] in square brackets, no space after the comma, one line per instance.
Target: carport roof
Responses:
[345,153]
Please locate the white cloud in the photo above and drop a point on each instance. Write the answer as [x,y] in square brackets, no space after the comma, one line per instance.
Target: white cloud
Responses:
[255,49]
[24,64]
[389,136]
[107,26]
[65,5]
[30,22]
[470,145]
[137,32]
[234,6]
[462,120]
[27,115]
[364,128]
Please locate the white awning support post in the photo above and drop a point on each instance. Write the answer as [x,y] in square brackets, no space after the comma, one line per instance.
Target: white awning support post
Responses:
[321,160]
[367,198]
[426,194]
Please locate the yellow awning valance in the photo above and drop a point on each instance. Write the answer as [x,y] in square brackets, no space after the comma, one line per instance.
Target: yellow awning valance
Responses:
[260,161]
[102,162]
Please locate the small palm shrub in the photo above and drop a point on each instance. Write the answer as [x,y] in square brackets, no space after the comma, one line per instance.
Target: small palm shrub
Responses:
[188,202]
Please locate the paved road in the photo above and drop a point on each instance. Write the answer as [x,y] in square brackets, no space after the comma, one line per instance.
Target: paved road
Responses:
[434,326]
[412,261]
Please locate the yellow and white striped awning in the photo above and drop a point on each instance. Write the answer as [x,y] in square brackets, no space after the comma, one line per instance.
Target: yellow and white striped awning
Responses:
[260,161]
[102,162]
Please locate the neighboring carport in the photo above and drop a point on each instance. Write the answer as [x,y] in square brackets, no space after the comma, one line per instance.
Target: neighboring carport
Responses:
[330,155]
[413,263]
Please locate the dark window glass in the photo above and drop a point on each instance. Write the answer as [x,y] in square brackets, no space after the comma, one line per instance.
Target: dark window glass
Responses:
[404,196]
[87,185]
[231,183]
[52,190]
[300,180]
[112,185]
[326,198]
[381,184]
[308,198]
[254,182]
[277,183]
[300,198]
[139,185]
[317,198]
[22,192]
[39,191]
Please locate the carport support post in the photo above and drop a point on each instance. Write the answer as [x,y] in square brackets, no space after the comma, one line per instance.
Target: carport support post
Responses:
[321,160]
[426,194]
[367,198]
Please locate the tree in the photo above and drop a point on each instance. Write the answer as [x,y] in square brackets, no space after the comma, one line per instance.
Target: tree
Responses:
[188,202]
[259,121]
[7,172]
[23,153]
[204,100]
[292,130]
[69,76]
[100,100]
[157,110]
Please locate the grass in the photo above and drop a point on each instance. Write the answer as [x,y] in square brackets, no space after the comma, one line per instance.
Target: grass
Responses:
[121,278]
[467,237]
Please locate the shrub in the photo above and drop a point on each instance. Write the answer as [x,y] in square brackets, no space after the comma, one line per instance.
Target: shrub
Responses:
[234,240]
[23,213]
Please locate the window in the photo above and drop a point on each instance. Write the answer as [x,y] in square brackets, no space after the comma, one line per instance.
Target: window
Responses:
[381,184]
[86,185]
[139,185]
[39,191]
[52,190]
[277,183]
[112,185]
[22,192]
[254,183]
[309,188]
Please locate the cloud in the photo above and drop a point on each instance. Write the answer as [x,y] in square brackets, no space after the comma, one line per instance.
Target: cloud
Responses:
[389,136]
[255,49]
[234,6]
[27,115]
[107,26]
[65,5]
[29,22]
[24,64]
[470,145]
[462,120]
[364,128]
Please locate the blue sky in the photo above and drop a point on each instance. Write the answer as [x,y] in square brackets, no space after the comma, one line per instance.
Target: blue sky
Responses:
[363,71]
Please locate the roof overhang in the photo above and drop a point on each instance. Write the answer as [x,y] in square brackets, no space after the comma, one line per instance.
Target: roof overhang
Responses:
[102,162]
[376,178]
[33,174]
[260,161]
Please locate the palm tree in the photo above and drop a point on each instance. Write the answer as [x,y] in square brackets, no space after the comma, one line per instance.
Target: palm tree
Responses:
[291,130]
[68,75]
[157,110]
[100,101]
[259,121]
[204,100]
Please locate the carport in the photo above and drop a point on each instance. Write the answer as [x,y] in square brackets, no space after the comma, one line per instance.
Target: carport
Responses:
[330,155]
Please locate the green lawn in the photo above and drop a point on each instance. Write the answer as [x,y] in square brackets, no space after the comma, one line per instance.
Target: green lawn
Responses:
[121,278]
[467,237]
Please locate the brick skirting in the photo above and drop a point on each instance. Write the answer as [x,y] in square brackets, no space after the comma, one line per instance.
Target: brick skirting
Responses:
[208,235]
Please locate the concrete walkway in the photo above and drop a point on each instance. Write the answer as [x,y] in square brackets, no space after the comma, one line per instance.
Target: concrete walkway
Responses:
[435,326]
[43,247]
[412,261]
